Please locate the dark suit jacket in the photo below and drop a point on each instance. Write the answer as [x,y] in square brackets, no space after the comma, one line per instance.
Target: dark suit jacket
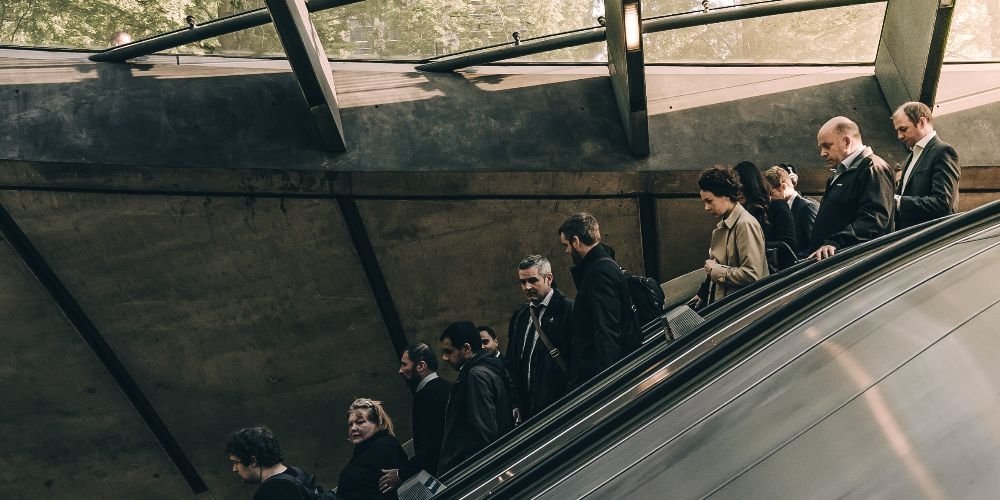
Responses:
[858,204]
[781,224]
[548,382]
[429,405]
[932,190]
[804,213]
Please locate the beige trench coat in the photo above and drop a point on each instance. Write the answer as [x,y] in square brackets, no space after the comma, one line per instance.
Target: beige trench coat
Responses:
[738,247]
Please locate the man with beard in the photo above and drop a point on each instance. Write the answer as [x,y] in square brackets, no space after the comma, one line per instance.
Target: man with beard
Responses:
[418,366]
[604,329]
[538,365]
[479,406]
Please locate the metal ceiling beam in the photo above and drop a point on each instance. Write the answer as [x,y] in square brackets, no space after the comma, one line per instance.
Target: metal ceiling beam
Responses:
[911,50]
[628,71]
[597,34]
[311,67]
[210,29]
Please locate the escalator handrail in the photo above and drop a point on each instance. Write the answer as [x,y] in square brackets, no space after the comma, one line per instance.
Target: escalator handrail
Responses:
[602,387]
[961,224]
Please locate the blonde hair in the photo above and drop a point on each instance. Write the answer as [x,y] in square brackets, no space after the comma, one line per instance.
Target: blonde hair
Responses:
[775,176]
[374,413]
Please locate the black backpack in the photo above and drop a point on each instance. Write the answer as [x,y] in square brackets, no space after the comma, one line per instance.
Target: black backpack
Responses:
[308,483]
[646,300]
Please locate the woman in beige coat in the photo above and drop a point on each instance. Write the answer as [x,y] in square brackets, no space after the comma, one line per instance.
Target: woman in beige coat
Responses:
[736,257]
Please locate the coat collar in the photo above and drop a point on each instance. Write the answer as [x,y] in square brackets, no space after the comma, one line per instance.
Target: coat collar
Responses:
[734,216]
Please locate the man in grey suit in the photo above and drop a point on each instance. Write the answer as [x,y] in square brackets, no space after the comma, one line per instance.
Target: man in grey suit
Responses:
[928,188]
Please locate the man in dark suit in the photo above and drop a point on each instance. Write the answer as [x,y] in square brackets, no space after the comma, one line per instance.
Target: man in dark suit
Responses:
[539,373]
[929,185]
[781,187]
[604,329]
[418,366]
[858,203]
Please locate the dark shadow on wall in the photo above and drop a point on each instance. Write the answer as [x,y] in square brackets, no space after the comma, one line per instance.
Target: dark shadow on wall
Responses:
[187,116]
[415,122]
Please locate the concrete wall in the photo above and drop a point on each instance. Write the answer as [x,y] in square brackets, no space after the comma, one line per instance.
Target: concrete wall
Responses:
[188,211]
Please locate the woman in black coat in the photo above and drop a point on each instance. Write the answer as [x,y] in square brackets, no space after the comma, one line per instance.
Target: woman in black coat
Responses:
[775,217]
[375,448]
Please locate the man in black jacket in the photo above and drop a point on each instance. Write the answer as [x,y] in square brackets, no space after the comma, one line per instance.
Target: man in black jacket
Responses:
[858,204]
[929,185]
[604,329]
[780,187]
[479,406]
[418,366]
[539,378]
[257,458]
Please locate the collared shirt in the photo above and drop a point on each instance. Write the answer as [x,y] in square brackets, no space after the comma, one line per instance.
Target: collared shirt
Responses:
[791,199]
[426,379]
[844,165]
[918,149]
[530,330]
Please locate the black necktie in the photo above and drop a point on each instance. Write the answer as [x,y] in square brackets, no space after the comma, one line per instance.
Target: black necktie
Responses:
[535,310]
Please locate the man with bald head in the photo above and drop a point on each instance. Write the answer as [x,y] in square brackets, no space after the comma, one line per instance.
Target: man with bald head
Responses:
[858,204]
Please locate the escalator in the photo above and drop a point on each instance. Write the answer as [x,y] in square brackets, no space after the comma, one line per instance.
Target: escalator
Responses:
[662,420]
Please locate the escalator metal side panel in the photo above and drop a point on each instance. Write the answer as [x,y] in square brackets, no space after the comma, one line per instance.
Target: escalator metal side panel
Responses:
[477,480]
[796,381]
[931,429]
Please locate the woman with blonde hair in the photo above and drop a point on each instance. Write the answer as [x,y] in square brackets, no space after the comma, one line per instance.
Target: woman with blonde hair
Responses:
[370,429]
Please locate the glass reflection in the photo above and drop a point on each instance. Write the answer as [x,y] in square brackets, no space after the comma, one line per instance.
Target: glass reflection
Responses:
[422,29]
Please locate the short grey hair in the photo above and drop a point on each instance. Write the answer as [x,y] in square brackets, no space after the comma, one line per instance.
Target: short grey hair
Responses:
[536,261]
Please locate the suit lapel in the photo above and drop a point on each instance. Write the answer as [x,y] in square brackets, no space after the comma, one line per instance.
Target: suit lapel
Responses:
[924,155]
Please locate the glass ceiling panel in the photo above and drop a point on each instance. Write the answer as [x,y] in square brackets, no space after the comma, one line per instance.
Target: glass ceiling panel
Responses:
[421,29]
[975,32]
[828,36]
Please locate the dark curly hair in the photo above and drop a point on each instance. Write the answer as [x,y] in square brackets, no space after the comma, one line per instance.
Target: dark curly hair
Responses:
[255,442]
[720,181]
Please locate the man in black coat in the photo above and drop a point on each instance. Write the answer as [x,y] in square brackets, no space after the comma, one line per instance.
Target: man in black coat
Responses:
[418,367]
[858,203]
[929,185]
[539,378]
[479,406]
[604,329]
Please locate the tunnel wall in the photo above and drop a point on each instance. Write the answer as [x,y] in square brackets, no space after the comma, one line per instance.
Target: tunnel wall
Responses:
[188,210]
